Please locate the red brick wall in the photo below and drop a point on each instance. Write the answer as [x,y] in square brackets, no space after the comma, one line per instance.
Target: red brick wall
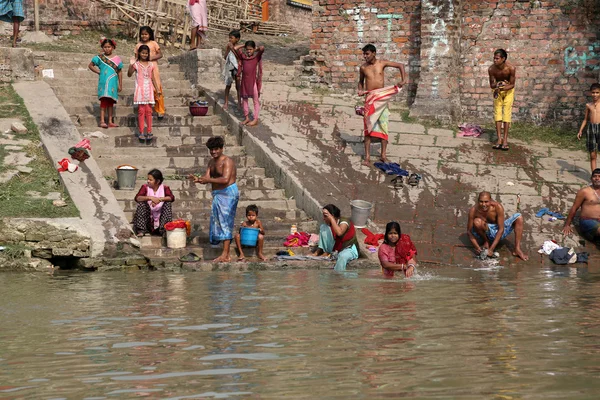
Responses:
[555,46]
[298,18]
[67,16]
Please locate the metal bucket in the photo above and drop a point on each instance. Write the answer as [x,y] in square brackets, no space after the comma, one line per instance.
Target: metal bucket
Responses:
[126,177]
[361,211]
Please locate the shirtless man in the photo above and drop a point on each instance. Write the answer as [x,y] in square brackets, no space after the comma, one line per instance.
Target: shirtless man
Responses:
[502,82]
[486,221]
[221,174]
[588,199]
[372,83]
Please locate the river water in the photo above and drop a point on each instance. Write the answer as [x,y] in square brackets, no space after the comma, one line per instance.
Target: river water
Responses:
[497,333]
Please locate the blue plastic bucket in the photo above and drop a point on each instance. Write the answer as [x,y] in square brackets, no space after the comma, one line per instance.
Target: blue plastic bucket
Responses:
[249,236]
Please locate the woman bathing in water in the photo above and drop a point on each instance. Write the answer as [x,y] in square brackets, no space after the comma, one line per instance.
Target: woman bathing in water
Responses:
[397,253]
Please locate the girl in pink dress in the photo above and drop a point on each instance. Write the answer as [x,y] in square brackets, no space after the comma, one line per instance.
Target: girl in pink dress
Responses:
[145,85]
[250,67]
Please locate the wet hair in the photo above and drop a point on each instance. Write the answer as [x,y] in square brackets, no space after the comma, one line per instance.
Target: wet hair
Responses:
[250,43]
[596,172]
[485,193]
[215,142]
[502,53]
[391,226]
[595,86]
[140,49]
[147,29]
[157,175]
[370,48]
[103,41]
[333,210]
[252,207]
[236,34]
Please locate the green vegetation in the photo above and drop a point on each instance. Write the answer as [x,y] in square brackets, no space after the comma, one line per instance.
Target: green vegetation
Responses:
[44,177]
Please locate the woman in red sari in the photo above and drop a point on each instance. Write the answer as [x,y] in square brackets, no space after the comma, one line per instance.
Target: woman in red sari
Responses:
[397,253]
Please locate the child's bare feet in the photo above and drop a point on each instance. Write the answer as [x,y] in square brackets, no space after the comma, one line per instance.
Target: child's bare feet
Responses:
[245,122]
[254,122]
[262,257]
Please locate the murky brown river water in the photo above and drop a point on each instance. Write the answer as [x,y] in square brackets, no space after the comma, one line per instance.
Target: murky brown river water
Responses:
[449,333]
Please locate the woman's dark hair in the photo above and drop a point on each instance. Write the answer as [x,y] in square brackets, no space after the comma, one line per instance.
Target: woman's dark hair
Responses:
[251,44]
[109,41]
[215,142]
[391,226]
[157,175]
[142,47]
[333,210]
[147,29]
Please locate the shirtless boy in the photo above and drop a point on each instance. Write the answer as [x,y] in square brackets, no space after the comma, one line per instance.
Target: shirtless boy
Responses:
[486,222]
[221,174]
[588,199]
[502,82]
[371,84]
[592,119]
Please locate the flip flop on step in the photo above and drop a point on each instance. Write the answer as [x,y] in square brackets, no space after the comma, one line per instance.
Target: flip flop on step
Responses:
[413,179]
[397,182]
[189,257]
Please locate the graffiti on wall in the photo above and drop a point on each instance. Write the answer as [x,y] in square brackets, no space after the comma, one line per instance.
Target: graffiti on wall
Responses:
[577,61]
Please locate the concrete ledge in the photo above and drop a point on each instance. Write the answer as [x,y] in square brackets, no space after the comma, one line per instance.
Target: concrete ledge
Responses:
[200,65]
[101,214]
[16,64]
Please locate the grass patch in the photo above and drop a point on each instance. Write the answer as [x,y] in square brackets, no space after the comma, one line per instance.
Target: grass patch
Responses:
[559,136]
[44,177]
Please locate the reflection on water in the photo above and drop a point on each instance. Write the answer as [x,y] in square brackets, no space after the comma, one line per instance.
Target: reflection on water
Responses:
[448,333]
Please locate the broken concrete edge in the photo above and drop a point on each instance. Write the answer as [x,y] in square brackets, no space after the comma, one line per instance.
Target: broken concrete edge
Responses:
[16,64]
[283,176]
[101,214]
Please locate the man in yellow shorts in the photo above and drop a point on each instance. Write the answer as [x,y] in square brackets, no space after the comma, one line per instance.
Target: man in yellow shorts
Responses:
[502,82]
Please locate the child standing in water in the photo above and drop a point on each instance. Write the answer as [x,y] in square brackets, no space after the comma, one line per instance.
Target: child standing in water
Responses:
[147,38]
[110,81]
[397,252]
[145,87]
[251,70]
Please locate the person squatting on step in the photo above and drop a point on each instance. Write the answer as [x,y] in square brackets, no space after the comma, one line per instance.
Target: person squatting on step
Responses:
[486,222]
[252,221]
[109,67]
[145,87]
[250,62]
[376,113]
[337,234]
[147,38]
[154,207]
[588,199]
[221,174]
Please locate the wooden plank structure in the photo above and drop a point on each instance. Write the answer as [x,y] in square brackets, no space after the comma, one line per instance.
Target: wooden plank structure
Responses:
[171,22]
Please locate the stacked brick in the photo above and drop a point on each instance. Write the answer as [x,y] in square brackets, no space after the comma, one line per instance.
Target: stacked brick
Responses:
[60,17]
[299,18]
[448,46]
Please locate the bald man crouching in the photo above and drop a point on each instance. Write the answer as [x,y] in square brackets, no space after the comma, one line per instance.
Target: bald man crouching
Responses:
[487,223]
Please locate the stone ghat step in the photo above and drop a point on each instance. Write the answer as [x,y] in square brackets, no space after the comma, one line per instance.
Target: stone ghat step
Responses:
[108,163]
[183,183]
[73,90]
[126,100]
[129,140]
[251,172]
[72,57]
[191,134]
[246,193]
[94,109]
[205,205]
[107,148]
[201,217]
[131,120]
[89,85]
[208,253]
[81,73]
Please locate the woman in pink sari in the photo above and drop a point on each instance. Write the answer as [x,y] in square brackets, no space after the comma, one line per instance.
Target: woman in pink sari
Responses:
[154,206]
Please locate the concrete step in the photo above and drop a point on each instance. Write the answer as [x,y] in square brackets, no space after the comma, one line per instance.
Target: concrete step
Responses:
[106,149]
[201,217]
[108,163]
[130,120]
[203,193]
[90,98]
[71,60]
[198,134]
[108,171]
[69,91]
[94,109]
[205,205]
[257,182]
[162,140]
[91,85]
[207,253]
[83,73]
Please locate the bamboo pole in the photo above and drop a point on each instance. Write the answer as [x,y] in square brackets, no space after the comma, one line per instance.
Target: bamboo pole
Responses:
[36,14]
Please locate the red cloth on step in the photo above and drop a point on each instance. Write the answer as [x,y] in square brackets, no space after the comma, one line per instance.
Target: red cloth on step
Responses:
[372,238]
[297,239]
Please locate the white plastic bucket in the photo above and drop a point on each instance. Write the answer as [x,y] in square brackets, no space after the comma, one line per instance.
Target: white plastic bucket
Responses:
[361,211]
[177,238]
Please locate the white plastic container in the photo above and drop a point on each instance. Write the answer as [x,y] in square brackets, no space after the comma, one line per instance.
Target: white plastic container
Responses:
[177,238]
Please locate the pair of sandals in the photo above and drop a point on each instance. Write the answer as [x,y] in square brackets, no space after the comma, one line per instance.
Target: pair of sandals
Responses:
[412,180]
[501,147]
[144,136]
